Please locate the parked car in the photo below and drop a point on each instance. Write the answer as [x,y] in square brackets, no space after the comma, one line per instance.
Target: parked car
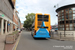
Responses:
[54,29]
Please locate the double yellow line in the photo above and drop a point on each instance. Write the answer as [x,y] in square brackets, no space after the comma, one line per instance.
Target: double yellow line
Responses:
[17,43]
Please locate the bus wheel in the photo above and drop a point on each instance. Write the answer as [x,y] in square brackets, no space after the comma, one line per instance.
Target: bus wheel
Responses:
[34,37]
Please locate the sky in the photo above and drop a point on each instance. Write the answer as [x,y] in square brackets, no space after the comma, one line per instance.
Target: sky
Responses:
[40,6]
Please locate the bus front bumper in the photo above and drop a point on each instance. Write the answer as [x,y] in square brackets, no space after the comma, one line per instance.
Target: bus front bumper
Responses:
[41,36]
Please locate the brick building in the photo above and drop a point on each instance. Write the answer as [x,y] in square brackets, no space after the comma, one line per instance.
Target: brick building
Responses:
[66,20]
[22,25]
[15,20]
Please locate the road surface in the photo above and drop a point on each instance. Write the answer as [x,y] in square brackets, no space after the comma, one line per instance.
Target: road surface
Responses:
[27,42]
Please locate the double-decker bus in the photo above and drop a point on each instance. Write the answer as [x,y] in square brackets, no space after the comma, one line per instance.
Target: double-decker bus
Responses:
[41,26]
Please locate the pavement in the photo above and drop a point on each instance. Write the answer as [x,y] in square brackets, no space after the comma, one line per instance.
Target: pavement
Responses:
[2,40]
[27,42]
[12,46]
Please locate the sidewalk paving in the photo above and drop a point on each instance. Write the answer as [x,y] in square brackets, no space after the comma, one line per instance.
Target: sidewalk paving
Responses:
[2,41]
[63,38]
[11,46]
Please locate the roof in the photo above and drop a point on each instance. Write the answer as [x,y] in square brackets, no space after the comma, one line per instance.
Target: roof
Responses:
[64,7]
[13,2]
[10,1]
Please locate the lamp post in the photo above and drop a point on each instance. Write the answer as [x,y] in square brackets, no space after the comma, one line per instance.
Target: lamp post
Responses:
[64,26]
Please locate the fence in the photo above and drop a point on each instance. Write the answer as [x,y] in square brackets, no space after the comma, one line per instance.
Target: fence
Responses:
[61,35]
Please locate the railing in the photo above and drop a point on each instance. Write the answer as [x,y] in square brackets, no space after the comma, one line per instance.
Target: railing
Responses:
[67,35]
[61,35]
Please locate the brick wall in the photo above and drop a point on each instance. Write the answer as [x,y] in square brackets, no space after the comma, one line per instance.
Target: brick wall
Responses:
[15,20]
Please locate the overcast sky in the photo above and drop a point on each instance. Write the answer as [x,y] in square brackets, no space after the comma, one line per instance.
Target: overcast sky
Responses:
[40,6]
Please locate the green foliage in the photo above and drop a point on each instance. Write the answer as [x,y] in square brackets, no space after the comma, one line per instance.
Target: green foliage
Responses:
[29,20]
[15,32]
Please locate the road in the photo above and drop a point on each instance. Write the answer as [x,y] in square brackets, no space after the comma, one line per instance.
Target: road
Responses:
[27,42]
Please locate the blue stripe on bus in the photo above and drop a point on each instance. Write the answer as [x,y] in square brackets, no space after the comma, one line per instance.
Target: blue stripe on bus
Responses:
[42,33]
[43,24]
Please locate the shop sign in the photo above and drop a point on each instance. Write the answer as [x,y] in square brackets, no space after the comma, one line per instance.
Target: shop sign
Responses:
[8,24]
[2,15]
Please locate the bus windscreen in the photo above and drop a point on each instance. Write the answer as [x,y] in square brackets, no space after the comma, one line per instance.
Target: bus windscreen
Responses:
[43,18]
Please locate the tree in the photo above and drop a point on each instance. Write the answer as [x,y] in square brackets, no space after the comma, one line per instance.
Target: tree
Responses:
[29,20]
[30,16]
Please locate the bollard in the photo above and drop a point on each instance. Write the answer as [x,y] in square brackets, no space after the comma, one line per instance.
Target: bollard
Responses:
[52,34]
[60,35]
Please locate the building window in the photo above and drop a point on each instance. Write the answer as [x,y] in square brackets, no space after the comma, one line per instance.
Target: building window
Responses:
[67,22]
[74,21]
[70,16]
[61,22]
[71,25]
[66,16]
[70,8]
[74,25]
[73,8]
[70,21]
[59,17]
[73,14]
[73,11]
[71,28]
[62,16]
[61,25]
[62,19]
[62,10]
[59,12]
[70,11]
[61,28]
[62,13]
[67,28]
[66,10]
[67,25]
[74,28]
[74,17]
